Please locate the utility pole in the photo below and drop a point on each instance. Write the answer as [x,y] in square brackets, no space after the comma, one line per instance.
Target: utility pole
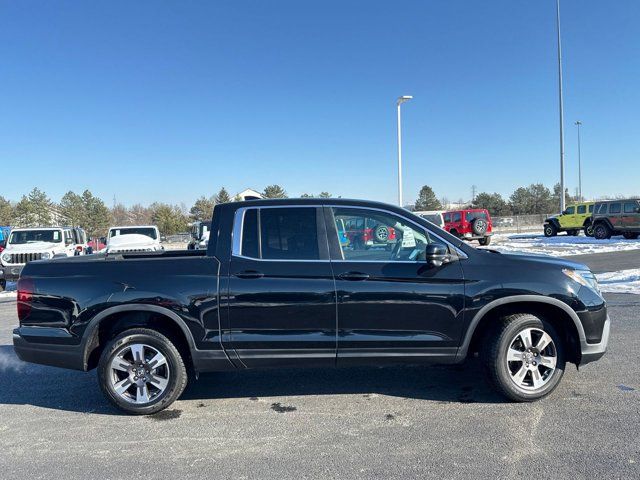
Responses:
[473,193]
[578,123]
[561,108]
[400,101]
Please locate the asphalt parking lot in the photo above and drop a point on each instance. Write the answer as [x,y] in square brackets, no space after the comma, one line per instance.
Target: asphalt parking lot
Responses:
[438,422]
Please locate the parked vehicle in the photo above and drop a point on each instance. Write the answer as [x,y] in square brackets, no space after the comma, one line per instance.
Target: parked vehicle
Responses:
[434,216]
[616,217]
[575,217]
[199,236]
[27,244]
[94,245]
[503,222]
[4,235]
[134,239]
[276,288]
[469,224]
[365,232]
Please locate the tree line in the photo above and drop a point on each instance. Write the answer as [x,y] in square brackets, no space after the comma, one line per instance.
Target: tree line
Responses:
[534,199]
[36,209]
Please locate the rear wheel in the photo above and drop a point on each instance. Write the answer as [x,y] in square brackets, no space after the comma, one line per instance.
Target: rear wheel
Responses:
[550,230]
[601,231]
[588,230]
[141,372]
[630,235]
[524,357]
[484,241]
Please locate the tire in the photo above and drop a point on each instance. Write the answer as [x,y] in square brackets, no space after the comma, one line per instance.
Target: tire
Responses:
[3,284]
[479,226]
[573,233]
[485,241]
[455,233]
[601,231]
[507,340]
[550,230]
[588,230]
[381,234]
[630,235]
[169,379]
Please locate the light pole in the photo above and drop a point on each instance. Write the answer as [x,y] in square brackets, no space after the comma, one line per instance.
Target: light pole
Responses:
[562,204]
[578,123]
[400,101]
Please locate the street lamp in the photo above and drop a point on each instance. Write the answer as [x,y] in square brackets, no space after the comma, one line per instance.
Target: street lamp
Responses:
[400,101]
[578,123]
[561,108]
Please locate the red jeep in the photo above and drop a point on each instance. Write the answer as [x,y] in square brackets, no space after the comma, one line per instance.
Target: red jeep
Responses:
[365,232]
[469,224]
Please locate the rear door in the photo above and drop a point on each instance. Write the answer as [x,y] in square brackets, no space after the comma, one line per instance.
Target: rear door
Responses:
[281,301]
[392,306]
[615,214]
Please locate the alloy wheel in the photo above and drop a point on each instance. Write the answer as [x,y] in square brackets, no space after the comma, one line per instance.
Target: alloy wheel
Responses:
[531,359]
[139,373]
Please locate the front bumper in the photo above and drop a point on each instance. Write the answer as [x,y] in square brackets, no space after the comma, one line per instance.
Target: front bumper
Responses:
[11,272]
[590,352]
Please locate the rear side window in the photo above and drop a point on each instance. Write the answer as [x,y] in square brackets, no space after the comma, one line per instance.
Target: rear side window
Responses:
[591,208]
[279,234]
[582,209]
[457,217]
[615,208]
[630,207]
[289,234]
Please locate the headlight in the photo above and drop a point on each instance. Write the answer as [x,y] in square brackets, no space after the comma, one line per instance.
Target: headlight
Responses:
[6,257]
[583,277]
[46,256]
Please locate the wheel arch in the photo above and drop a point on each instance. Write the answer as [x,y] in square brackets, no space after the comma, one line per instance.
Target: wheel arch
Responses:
[114,320]
[558,313]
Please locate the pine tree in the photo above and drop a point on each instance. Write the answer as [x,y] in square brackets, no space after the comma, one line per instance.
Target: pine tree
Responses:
[202,209]
[427,200]
[274,191]
[222,196]
[34,210]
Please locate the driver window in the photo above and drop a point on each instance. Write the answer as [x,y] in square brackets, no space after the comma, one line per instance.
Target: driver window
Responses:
[372,235]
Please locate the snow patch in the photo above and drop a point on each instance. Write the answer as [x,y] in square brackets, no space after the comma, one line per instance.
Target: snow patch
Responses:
[623,281]
[562,245]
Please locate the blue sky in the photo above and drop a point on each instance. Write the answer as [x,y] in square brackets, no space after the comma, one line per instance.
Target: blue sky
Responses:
[171,100]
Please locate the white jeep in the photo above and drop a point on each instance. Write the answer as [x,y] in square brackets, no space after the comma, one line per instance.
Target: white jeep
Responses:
[135,239]
[27,244]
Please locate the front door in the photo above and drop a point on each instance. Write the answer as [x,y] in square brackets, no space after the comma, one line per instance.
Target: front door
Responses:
[393,306]
[630,216]
[281,298]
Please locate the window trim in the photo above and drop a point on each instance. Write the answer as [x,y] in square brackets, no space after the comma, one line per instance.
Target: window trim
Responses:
[238,227]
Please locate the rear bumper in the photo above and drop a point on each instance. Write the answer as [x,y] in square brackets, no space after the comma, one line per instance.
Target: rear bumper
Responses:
[590,352]
[11,272]
[62,355]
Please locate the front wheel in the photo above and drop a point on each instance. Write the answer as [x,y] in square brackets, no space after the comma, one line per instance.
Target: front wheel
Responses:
[550,230]
[524,357]
[630,235]
[141,372]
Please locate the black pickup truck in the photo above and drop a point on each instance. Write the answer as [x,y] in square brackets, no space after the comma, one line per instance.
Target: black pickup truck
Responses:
[281,286]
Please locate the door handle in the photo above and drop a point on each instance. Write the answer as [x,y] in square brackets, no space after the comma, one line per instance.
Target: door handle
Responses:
[248,274]
[354,276]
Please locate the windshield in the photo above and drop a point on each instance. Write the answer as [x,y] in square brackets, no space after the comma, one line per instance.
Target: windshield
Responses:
[148,231]
[30,236]
[433,218]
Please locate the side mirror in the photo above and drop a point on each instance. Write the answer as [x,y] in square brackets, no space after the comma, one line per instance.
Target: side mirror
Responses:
[436,254]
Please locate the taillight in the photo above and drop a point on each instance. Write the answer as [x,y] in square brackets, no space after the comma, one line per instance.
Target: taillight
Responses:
[392,233]
[79,248]
[25,297]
